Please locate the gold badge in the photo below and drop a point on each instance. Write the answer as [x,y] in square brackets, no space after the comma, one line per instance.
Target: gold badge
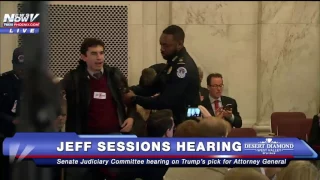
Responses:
[169,70]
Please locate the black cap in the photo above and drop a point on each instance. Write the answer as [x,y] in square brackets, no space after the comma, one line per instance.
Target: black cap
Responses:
[18,56]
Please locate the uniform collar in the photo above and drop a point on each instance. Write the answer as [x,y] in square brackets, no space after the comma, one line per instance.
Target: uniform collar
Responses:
[182,52]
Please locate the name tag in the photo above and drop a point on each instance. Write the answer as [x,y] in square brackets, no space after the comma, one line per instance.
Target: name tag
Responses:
[99,95]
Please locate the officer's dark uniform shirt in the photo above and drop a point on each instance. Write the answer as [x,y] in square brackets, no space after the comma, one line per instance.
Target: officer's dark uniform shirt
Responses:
[178,85]
[10,86]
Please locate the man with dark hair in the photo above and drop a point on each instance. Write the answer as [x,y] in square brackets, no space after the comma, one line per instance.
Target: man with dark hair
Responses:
[160,124]
[221,106]
[10,90]
[158,67]
[178,83]
[147,77]
[95,105]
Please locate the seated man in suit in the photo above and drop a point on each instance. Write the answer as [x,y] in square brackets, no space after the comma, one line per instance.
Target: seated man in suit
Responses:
[217,104]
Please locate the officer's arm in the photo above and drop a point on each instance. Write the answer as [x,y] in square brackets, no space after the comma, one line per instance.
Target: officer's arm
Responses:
[172,94]
[144,91]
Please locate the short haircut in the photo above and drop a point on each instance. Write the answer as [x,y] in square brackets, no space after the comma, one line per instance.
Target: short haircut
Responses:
[299,169]
[212,127]
[213,75]
[159,122]
[188,128]
[90,42]
[147,77]
[176,31]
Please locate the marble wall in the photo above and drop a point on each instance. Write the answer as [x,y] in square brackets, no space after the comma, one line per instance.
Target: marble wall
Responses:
[268,52]
[222,37]
[289,63]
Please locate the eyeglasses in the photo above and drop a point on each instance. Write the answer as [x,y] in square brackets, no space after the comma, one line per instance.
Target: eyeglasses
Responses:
[217,86]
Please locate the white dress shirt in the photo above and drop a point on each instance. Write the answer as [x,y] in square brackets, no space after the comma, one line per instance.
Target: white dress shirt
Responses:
[220,106]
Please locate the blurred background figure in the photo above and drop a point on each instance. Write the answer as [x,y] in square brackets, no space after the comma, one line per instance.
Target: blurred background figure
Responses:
[62,112]
[204,92]
[158,67]
[299,170]
[10,96]
[146,80]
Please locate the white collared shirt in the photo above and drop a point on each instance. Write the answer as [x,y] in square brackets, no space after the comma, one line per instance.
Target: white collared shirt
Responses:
[92,73]
[220,105]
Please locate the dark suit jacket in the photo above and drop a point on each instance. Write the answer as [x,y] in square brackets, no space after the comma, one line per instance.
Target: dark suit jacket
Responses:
[237,122]
[204,92]
[315,132]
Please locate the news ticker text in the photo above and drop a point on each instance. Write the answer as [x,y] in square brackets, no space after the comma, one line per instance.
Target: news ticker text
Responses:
[172,162]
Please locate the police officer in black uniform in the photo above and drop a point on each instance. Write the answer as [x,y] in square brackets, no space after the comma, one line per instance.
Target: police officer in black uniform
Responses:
[10,87]
[178,83]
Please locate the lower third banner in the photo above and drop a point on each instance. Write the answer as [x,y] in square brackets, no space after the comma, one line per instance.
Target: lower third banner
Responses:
[70,149]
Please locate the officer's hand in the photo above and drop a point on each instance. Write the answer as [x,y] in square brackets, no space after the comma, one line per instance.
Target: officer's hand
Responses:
[127,97]
[127,125]
[130,94]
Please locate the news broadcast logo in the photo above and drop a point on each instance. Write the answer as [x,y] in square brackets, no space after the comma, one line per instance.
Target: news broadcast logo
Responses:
[20,20]
[13,151]
[269,147]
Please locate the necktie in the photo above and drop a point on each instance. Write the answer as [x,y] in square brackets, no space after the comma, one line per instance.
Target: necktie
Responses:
[216,105]
[97,75]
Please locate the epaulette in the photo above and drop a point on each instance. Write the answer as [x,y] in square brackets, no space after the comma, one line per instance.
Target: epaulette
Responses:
[7,73]
[181,61]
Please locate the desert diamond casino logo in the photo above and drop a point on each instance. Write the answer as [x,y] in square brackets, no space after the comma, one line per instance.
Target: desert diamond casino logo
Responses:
[269,146]
[20,24]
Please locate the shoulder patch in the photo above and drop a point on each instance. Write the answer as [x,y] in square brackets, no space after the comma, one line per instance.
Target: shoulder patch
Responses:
[181,72]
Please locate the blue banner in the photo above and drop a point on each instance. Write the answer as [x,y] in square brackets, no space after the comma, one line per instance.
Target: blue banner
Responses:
[19,30]
[48,148]
[172,162]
